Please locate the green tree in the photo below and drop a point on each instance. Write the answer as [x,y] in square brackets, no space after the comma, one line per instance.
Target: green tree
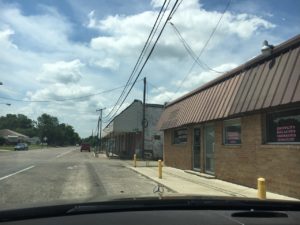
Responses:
[56,133]
[47,127]
[19,123]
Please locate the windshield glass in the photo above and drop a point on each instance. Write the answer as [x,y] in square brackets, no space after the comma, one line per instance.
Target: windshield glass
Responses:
[116,99]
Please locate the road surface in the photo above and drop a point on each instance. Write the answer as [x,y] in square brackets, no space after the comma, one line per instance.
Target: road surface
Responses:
[60,175]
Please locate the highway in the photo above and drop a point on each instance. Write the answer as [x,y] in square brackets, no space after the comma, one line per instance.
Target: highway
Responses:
[65,175]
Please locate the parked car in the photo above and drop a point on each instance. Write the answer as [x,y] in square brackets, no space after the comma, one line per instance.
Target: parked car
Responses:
[85,147]
[21,146]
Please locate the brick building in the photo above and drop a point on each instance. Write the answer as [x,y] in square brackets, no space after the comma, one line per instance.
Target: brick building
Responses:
[242,125]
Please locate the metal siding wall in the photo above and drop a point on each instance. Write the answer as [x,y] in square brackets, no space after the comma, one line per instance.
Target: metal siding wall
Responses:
[283,81]
[276,80]
[253,90]
[198,105]
[245,91]
[269,80]
[296,97]
[130,119]
[239,92]
[217,101]
[224,104]
[203,103]
[260,87]
[290,89]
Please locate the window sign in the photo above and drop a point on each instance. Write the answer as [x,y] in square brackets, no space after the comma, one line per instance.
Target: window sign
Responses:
[180,136]
[283,126]
[232,132]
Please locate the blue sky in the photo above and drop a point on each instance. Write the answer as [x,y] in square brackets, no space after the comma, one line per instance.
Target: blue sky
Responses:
[54,49]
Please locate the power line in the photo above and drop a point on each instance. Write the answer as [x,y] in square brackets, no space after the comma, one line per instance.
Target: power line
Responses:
[204,47]
[191,52]
[65,99]
[150,53]
[171,16]
[140,58]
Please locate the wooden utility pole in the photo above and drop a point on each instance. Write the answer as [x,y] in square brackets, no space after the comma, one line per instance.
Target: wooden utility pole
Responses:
[144,120]
[99,128]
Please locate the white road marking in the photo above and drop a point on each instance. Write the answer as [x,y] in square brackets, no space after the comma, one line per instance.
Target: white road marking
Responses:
[64,153]
[20,171]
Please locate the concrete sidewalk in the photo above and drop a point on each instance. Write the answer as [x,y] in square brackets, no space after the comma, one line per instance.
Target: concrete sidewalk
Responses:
[182,182]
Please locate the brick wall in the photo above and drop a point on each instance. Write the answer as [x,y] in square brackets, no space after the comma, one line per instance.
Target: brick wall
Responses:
[279,164]
[243,164]
[178,155]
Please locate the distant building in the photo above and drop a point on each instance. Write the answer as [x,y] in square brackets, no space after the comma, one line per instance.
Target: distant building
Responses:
[12,136]
[123,135]
[243,125]
[34,140]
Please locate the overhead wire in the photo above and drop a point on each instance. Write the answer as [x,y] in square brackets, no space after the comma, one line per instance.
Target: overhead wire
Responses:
[140,58]
[204,47]
[170,17]
[188,48]
[145,62]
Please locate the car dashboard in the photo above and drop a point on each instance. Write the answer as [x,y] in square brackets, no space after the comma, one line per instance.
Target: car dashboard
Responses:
[174,212]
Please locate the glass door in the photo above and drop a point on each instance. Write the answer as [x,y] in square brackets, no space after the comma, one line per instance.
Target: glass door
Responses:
[196,149]
[209,138]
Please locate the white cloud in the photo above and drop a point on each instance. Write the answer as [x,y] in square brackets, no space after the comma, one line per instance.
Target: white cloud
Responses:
[166,96]
[92,20]
[107,63]
[127,34]
[46,31]
[43,63]
[60,91]
[157,3]
[5,40]
[62,72]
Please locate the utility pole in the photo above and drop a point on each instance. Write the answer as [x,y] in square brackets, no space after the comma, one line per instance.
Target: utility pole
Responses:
[100,130]
[92,140]
[144,120]
[99,127]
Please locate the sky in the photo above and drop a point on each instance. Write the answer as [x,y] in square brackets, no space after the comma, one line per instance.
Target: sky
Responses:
[61,49]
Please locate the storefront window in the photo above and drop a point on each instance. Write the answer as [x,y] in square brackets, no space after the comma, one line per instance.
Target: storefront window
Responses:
[180,136]
[156,137]
[232,132]
[283,126]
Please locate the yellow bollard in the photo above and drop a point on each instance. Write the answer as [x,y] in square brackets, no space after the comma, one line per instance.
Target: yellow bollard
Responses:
[159,169]
[134,160]
[261,188]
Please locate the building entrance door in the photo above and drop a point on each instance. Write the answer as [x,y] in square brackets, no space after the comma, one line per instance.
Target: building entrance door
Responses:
[197,149]
[209,144]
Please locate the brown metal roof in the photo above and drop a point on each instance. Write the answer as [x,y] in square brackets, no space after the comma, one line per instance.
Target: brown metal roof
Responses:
[260,83]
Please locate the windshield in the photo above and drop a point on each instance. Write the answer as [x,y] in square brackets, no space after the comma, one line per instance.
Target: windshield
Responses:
[117,99]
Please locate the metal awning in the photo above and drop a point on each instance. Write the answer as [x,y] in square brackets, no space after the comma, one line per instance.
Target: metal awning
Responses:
[261,83]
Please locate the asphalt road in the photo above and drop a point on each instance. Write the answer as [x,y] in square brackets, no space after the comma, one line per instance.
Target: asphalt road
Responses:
[64,175]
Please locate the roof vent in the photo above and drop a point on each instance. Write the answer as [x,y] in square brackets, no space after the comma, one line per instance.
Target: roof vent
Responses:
[266,49]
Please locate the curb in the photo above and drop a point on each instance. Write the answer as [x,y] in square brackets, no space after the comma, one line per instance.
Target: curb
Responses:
[167,187]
